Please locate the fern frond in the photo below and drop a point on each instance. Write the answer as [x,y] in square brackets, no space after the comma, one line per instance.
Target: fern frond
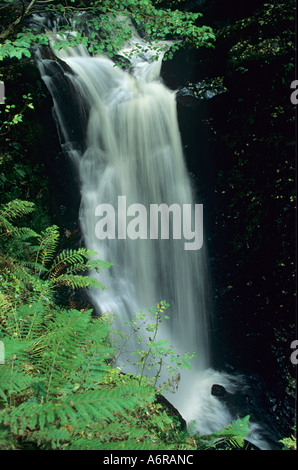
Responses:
[97,264]
[31,319]
[22,233]
[238,430]
[7,441]
[77,410]
[79,260]
[14,209]
[90,265]
[32,266]
[234,434]
[13,377]
[73,256]
[93,368]
[13,382]
[76,281]
[16,349]
[48,242]
[5,306]
[65,334]
[118,444]
[50,437]
[21,278]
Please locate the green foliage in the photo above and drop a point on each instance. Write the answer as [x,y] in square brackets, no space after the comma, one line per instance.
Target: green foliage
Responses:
[109,30]
[58,386]
[51,391]
[12,210]
[32,261]
[156,358]
[11,118]
[58,389]
[20,176]
[21,45]
[290,443]
[51,388]
[232,437]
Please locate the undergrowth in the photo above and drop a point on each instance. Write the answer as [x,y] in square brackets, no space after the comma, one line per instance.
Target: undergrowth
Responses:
[59,384]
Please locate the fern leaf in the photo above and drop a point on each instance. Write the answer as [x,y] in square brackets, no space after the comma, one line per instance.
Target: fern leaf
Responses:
[65,333]
[235,433]
[48,240]
[238,428]
[5,306]
[71,256]
[118,444]
[22,233]
[78,410]
[14,209]
[50,437]
[97,264]
[76,259]
[31,319]
[7,441]
[13,381]
[90,265]
[34,266]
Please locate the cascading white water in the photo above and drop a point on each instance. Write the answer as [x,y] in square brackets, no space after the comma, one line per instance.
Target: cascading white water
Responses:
[131,147]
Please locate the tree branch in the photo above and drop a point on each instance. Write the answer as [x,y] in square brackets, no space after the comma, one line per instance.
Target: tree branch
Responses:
[13,25]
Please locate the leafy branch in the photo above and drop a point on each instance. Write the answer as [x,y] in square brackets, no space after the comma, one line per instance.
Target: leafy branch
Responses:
[158,354]
[12,117]
[101,29]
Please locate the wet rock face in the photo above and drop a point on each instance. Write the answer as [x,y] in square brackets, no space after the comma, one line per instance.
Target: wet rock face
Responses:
[251,401]
[192,93]
[218,390]
[240,404]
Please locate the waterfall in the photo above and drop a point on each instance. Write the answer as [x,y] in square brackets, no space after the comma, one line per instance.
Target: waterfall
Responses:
[123,139]
[132,150]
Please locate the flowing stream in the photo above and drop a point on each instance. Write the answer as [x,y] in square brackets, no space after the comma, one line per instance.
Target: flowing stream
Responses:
[123,138]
